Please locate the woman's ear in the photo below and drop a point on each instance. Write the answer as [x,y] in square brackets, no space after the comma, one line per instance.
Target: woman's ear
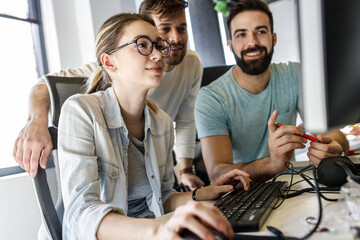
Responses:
[107,62]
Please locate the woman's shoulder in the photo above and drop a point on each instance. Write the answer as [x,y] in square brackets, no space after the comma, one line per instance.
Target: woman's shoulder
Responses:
[160,115]
[91,103]
[86,99]
[160,121]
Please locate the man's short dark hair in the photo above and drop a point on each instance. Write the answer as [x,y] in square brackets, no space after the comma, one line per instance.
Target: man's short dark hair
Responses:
[163,8]
[250,5]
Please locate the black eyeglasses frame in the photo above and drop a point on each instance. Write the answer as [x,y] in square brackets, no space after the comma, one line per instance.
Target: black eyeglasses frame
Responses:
[137,47]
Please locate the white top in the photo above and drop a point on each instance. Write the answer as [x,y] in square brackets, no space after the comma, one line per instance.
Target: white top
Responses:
[176,96]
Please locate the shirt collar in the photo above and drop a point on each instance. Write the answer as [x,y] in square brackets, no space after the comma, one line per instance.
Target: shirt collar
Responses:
[113,112]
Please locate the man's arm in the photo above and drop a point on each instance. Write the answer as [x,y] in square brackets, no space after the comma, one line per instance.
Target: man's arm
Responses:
[34,139]
[332,144]
[188,178]
[218,158]
[185,125]
[185,150]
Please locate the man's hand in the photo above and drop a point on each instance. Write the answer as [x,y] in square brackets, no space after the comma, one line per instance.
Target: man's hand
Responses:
[282,143]
[33,141]
[327,147]
[191,180]
[225,183]
[187,177]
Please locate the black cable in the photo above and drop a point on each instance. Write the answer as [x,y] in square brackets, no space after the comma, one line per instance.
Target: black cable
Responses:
[311,190]
[306,178]
[279,234]
[291,168]
[319,202]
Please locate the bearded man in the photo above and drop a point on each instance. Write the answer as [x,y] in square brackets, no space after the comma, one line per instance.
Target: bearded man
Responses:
[235,115]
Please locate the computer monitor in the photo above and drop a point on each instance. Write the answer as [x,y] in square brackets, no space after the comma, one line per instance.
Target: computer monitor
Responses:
[329,33]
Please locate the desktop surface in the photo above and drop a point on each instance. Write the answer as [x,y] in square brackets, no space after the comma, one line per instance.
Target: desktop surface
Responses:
[293,216]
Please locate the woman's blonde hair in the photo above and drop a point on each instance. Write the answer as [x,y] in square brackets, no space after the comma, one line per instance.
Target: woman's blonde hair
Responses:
[107,39]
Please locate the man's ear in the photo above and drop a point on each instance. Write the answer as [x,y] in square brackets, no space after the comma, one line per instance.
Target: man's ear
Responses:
[107,62]
[274,39]
[230,46]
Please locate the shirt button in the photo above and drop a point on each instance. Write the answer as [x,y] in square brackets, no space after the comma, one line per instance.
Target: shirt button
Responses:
[114,173]
[159,198]
[152,176]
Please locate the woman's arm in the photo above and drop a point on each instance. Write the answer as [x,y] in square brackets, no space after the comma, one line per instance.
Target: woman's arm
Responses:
[117,226]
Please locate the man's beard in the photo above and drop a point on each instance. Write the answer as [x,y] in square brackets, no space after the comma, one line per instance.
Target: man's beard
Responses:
[257,66]
[175,59]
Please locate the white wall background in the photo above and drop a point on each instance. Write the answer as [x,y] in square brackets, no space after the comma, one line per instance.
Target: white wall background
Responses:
[70,28]
[286,29]
[19,212]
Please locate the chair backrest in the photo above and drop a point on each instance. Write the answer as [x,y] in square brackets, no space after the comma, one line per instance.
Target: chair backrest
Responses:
[60,88]
[210,74]
[48,192]
[47,182]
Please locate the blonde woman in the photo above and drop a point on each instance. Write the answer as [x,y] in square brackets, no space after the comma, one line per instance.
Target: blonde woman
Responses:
[115,148]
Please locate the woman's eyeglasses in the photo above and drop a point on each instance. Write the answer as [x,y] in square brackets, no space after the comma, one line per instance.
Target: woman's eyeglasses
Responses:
[145,46]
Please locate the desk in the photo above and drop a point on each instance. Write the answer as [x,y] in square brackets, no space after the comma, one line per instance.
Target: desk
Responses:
[290,216]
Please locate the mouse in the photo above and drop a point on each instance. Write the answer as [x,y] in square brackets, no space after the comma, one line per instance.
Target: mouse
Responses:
[188,235]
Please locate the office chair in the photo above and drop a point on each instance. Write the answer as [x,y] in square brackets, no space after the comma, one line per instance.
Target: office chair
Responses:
[48,192]
[209,75]
[47,181]
[60,88]
[212,73]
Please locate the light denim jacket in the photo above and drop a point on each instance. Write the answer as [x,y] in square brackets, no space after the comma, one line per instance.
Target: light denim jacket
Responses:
[93,153]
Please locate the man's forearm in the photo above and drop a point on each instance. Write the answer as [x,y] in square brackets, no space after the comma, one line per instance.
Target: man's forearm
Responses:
[259,170]
[185,163]
[39,103]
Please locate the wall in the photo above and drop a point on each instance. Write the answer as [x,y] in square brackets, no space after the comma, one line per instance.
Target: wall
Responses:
[206,32]
[70,28]
[286,29]
[19,212]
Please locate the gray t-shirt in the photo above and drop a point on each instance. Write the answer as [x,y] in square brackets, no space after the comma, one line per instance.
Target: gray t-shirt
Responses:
[225,108]
[138,184]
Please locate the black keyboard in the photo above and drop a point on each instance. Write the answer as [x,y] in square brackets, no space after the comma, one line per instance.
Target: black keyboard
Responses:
[247,211]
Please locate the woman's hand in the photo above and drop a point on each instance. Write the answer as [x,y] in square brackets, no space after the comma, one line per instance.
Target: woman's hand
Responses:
[224,184]
[198,218]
